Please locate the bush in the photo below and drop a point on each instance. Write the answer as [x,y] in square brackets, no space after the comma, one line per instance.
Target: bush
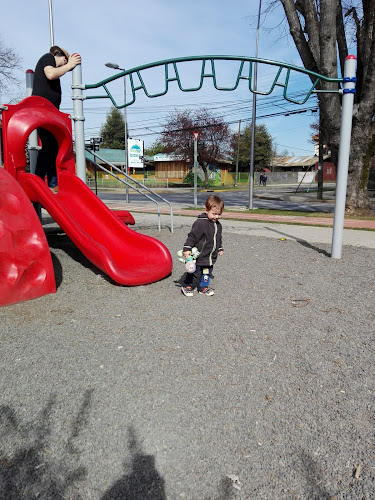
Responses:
[189,179]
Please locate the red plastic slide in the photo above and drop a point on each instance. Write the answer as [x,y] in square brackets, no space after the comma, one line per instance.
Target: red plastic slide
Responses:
[129,258]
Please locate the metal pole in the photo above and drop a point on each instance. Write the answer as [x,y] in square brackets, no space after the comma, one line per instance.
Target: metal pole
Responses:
[33,138]
[252,150]
[126,142]
[238,153]
[195,169]
[116,66]
[96,176]
[78,119]
[319,195]
[51,23]
[344,151]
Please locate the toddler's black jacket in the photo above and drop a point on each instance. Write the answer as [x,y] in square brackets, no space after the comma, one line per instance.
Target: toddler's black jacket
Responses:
[205,234]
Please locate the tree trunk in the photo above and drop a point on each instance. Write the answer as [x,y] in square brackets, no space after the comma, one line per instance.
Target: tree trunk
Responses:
[361,151]
[329,21]
[206,174]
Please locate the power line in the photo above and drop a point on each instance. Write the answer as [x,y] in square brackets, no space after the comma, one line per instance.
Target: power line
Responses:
[270,115]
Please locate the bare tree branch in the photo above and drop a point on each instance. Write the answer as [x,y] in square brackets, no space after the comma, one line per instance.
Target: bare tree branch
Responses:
[9,62]
[341,38]
[297,34]
[311,27]
[336,21]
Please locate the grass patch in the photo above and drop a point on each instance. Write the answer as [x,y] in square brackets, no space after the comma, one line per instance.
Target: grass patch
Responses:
[292,213]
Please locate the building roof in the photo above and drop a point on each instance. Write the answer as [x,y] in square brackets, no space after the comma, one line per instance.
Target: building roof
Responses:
[165,157]
[294,161]
[175,157]
[114,156]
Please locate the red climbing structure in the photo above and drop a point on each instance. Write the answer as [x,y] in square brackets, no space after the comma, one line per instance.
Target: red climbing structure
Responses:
[129,258]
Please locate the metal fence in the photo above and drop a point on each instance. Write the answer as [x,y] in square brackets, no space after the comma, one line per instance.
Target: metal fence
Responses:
[111,183]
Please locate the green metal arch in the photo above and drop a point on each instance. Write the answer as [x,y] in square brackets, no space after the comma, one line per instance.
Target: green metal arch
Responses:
[171,74]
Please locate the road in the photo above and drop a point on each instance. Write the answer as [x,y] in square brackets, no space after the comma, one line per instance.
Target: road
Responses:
[273,198]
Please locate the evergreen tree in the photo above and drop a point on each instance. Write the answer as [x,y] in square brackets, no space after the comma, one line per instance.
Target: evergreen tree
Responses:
[155,148]
[263,146]
[113,130]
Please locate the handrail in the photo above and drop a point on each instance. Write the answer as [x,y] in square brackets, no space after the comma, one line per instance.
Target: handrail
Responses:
[210,73]
[133,187]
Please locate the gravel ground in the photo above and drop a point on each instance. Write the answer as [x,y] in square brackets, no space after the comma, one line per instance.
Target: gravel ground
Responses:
[263,391]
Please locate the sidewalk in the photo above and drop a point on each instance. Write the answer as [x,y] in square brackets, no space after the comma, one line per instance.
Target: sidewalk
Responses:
[234,213]
[360,233]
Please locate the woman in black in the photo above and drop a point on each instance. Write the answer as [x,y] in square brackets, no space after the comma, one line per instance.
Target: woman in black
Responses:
[47,74]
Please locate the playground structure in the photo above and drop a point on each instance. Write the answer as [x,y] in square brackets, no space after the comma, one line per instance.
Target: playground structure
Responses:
[171,74]
[126,256]
[129,258]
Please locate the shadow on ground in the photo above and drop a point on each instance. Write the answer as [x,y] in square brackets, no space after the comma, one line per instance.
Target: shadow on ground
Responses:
[28,466]
[32,467]
[143,482]
[304,243]
[58,240]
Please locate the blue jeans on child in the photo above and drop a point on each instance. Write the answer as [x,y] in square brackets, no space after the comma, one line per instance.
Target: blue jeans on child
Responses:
[201,276]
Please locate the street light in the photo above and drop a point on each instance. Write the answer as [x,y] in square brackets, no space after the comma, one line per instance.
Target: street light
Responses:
[51,23]
[252,149]
[117,67]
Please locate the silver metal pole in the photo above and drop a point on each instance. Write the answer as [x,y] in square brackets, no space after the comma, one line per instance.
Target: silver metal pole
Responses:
[33,138]
[344,152]
[252,149]
[116,66]
[78,119]
[195,169]
[51,23]
[126,142]
[238,153]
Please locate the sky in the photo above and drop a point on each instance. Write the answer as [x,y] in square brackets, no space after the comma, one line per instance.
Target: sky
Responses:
[132,34]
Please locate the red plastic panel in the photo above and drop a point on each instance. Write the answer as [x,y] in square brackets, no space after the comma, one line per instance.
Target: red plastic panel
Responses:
[124,216]
[26,270]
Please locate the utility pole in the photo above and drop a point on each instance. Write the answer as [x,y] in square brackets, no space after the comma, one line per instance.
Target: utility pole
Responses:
[126,133]
[51,23]
[320,161]
[238,153]
[252,149]
[196,135]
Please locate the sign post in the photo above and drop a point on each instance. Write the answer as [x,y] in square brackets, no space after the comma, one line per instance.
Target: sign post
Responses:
[196,135]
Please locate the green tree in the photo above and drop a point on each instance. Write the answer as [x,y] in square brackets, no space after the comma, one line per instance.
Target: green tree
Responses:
[262,147]
[113,130]
[155,148]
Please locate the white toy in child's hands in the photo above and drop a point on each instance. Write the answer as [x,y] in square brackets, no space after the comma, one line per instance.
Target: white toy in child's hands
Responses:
[190,265]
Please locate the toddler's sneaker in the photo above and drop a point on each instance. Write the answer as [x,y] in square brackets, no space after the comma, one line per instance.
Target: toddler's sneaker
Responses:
[187,290]
[206,291]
